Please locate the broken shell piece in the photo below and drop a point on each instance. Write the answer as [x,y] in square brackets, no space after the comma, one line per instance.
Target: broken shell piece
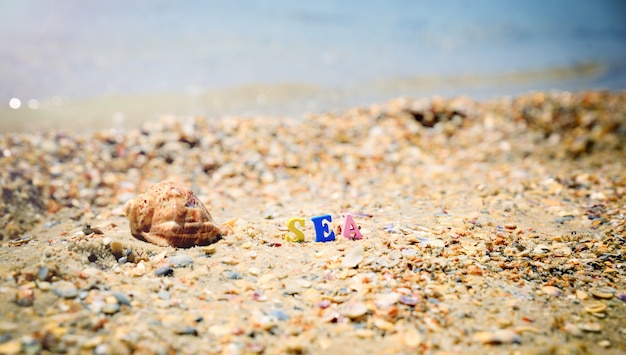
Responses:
[171,214]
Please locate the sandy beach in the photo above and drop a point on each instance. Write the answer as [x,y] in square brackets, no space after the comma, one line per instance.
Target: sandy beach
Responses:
[488,227]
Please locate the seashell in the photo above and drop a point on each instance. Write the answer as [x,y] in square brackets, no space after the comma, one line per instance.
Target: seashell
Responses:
[171,214]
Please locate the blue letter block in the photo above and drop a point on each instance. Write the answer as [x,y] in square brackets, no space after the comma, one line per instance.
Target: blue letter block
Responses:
[322,232]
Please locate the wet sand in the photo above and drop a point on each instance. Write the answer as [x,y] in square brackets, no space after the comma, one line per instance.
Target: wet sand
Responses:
[494,227]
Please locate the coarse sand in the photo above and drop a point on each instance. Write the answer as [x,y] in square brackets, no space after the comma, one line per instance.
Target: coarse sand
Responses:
[488,227]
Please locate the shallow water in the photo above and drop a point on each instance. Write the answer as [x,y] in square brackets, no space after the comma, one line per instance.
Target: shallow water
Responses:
[84,65]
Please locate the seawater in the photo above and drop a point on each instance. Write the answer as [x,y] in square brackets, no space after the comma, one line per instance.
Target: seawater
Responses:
[112,62]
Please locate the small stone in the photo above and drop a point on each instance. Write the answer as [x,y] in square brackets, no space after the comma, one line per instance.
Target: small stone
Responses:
[573,329]
[121,298]
[116,249]
[408,300]
[621,297]
[6,326]
[164,271]
[44,285]
[602,293]
[229,260]
[604,343]
[364,333]
[591,327]
[255,271]
[383,324]
[255,348]
[47,272]
[139,270]
[353,257]
[185,330]
[353,310]
[25,297]
[412,338]
[501,336]
[279,314]
[65,289]
[303,283]
[386,300]
[597,307]
[164,295]
[210,249]
[552,291]
[11,347]
[181,260]
[232,275]
[582,295]
[260,297]
[110,308]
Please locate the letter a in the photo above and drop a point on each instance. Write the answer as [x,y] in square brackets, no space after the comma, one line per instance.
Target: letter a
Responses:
[350,229]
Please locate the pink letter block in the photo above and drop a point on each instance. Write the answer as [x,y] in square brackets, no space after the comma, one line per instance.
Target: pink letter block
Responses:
[350,229]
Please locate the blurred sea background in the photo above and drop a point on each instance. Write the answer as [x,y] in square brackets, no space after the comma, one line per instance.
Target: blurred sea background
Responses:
[85,65]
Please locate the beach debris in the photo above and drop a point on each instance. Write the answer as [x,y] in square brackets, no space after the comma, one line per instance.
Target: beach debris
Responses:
[88,230]
[20,241]
[65,289]
[353,257]
[171,214]
[181,260]
[500,336]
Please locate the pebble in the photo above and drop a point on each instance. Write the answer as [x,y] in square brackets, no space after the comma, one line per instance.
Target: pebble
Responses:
[279,314]
[232,275]
[65,289]
[573,329]
[353,310]
[591,327]
[164,271]
[502,336]
[383,324]
[186,330]
[25,297]
[386,300]
[602,293]
[228,260]
[552,291]
[597,307]
[181,260]
[408,300]
[121,298]
[209,249]
[353,257]
[116,249]
[604,343]
[11,347]
[110,308]
[432,242]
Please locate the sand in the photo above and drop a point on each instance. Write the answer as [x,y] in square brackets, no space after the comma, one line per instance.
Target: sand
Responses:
[488,227]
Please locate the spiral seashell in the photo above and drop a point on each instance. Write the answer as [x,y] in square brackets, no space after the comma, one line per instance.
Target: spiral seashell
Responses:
[171,214]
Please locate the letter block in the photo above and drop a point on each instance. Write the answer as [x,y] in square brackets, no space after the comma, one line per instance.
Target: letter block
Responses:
[350,229]
[322,230]
[298,235]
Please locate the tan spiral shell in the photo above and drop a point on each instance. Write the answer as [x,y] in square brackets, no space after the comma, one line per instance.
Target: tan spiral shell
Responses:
[171,214]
